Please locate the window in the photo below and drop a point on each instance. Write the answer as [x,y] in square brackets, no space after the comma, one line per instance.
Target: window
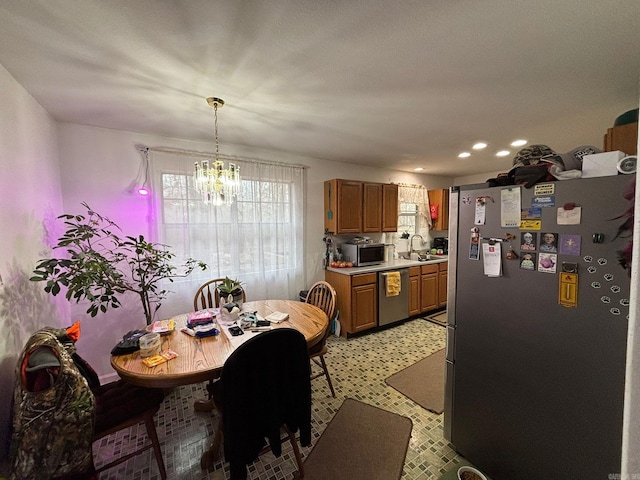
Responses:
[413,210]
[408,218]
[257,239]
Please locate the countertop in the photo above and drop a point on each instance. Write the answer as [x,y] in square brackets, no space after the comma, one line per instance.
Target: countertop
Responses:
[392,265]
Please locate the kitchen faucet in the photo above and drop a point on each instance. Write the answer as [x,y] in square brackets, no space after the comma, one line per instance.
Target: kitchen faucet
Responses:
[411,242]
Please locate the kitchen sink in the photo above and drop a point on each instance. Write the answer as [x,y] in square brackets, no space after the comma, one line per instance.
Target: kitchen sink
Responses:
[429,257]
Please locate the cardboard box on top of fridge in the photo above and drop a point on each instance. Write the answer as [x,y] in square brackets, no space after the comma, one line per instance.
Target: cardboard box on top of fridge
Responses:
[601,164]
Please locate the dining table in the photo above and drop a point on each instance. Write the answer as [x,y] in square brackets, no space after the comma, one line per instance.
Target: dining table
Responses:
[201,359]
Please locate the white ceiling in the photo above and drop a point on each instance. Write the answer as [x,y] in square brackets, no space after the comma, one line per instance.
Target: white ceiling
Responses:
[390,83]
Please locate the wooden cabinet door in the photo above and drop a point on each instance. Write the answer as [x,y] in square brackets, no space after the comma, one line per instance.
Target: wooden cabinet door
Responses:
[364,311]
[623,138]
[442,288]
[414,295]
[389,207]
[372,207]
[349,207]
[440,198]
[429,292]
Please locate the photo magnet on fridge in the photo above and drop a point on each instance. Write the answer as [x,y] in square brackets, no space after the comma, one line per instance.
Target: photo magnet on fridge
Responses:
[528,261]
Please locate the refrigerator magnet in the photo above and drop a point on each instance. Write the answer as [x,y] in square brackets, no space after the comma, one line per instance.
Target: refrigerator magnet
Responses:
[570,244]
[547,262]
[528,261]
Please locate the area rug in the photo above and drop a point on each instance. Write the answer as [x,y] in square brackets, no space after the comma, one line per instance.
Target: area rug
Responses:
[360,442]
[423,382]
[440,318]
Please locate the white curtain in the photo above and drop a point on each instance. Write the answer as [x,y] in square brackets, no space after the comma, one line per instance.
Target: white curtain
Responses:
[258,239]
[418,194]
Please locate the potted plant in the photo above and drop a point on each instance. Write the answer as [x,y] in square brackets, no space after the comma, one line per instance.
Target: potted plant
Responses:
[230,287]
[100,265]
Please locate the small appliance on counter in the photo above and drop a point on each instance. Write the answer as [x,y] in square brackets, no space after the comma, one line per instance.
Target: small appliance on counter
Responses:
[441,245]
[363,254]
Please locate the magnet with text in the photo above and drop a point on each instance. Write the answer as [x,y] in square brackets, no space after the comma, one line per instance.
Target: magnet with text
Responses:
[568,290]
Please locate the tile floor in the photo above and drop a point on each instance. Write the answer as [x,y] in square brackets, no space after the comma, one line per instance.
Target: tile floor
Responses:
[358,368]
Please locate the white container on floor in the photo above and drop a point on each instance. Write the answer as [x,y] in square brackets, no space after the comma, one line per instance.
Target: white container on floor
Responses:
[469,471]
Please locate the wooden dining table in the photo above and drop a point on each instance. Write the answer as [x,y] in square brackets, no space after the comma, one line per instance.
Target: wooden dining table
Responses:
[201,359]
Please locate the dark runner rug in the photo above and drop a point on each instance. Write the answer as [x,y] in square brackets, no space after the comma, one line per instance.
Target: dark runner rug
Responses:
[440,318]
[423,382]
[360,442]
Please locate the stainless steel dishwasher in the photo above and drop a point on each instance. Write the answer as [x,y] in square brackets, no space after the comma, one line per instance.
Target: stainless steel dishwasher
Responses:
[396,307]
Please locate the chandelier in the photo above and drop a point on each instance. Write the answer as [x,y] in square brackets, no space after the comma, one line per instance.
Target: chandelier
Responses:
[217,183]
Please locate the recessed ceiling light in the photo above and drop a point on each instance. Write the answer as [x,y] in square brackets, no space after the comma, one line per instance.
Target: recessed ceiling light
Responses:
[479,146]
[519,143]
[419,169]
[502,153]
[464,155]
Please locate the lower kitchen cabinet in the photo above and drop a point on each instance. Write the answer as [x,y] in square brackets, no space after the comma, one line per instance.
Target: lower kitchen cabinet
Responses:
[429,288]
[414,291]
[356,299]
[432,282]
[442,284]
[357,295]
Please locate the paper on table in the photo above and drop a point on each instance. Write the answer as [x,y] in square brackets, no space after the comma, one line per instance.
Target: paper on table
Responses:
[277,317]
[239,339]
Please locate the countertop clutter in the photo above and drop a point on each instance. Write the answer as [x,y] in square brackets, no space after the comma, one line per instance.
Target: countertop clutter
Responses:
[391,265]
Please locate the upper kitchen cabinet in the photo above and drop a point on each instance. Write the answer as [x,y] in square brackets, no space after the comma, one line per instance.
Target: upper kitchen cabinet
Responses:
[343,206]
[623,138]
[360,207]
[389,207]
[440,199]
[372,207]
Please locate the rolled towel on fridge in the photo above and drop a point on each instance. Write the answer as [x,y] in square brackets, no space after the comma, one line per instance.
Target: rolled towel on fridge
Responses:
[393,284]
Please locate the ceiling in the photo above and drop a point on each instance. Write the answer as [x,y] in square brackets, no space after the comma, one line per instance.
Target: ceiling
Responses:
[389,83]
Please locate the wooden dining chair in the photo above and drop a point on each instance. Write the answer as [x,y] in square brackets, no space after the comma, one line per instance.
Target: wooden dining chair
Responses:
[323,296]
[264,388]
[208,296]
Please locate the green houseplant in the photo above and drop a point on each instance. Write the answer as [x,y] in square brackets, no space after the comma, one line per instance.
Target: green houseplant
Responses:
[230,287]
[100,265]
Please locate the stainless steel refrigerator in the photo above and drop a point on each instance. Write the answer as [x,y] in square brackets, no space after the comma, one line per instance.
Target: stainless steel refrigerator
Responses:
[535,389]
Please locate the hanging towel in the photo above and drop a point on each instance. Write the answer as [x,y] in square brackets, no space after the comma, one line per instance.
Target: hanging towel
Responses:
[393,284]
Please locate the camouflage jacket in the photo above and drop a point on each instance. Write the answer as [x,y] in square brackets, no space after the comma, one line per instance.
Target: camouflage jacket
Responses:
[53,413]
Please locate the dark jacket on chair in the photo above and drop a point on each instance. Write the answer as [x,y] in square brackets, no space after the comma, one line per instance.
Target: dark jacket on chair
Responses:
[264,384]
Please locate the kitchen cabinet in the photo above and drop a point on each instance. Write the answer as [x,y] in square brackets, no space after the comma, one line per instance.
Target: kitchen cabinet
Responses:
[343,206]
[371,207]
[440,198]
[623,138]
[442,284]
[389,207]
[352,206]
[414,291]
[433,286]
[356,299]
[429,288]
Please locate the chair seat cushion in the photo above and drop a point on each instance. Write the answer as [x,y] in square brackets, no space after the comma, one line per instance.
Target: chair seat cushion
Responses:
[119,401]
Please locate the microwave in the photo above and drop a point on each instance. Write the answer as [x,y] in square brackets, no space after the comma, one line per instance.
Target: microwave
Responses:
[363,254]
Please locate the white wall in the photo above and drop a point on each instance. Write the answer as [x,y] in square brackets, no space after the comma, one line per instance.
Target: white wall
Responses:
[29,198]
